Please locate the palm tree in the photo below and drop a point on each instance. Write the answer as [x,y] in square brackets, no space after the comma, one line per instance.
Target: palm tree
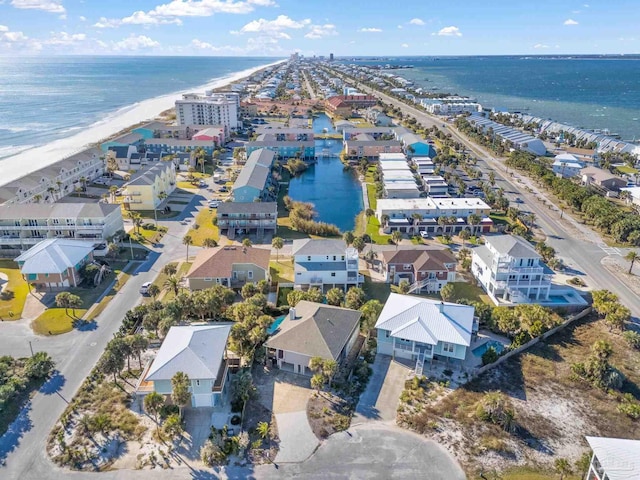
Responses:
[396,236]
[161,197]
[152,404]
[464,236]
[137,221]
[632,256]
[277,243]
[369,213]
[209,243]
[473,220]
[37,198]
[384,219]
[172,283]
[187,240]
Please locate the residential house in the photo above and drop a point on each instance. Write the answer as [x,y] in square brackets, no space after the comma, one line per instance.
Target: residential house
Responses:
[285,134]
[414,145]
[303,149]
[370,149]
[55,263]
[201,353]
[508,135]
[255,182]
[602,178]
[376,116]
[325,263]
[126,140]
[121,155]
[420,329]
[509,269]
[146,192]
[50,183]
[211,134]
[567,165]
[376,133]
[425,165]
[436,216]
[343,105]
[313,330]
[436,186]
[613,459]
[231,266]
[426,269]
[22,226]
[242,219]
[403,188]
[169,146]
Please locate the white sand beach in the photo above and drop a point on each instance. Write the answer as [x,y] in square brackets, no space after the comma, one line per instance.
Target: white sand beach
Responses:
[16,166]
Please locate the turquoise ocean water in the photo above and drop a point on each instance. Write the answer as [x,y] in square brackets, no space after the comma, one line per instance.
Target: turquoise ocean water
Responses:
[45,99]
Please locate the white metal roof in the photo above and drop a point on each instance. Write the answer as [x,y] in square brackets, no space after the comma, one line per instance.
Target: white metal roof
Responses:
[54,255]
[197,351]
[619,457]
[426,321]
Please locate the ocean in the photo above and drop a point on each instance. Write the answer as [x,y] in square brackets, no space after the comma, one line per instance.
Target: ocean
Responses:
[44,99]
[584,91]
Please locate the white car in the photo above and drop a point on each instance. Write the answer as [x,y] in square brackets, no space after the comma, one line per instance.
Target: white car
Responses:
[424,234]
[214,204]
[144,289]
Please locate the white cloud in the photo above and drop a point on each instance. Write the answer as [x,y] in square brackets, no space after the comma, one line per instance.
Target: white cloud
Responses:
[107,23]
[63,16]
[416,21]
[143,18]
[540,45]
[320,31]
[18,40]
[14,37]
[449,32]
[82,18]
[134,42]
[53,6]
[570,22]
[64,38]
[370,30]
[400,27]
[4,28]
[274,27]
[206,8]
[405,45]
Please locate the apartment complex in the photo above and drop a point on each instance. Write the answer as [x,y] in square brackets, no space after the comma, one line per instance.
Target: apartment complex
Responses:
[146,192]
[244,219]
[53,182]
[255,181]
[22,226]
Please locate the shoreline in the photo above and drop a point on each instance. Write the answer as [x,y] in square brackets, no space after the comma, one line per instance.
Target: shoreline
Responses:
[121,120]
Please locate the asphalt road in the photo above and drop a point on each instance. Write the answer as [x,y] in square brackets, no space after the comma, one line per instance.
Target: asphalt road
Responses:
[583,252]
[22,448]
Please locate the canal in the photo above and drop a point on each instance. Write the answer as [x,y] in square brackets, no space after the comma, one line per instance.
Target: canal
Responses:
[336,193]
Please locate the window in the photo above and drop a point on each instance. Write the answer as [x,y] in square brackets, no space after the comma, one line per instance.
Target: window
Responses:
[406,267]
[198,383]
[208,279]
[530,262]
[308,258]
[333,274]
[250,274]
[447,347]
[334,258]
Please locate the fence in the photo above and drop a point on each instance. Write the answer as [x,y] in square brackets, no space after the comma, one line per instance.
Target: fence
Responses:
[532,342]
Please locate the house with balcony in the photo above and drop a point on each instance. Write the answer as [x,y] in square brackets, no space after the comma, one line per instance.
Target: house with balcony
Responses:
[24,225]
[325,263]
[201,353]
[236,219]
[255,182]
[278,143]
[55,263]
[613,459]
[511,271]
[370,149]
[422,329]
[231,266]
[313,330]
[148,190]
[426,269]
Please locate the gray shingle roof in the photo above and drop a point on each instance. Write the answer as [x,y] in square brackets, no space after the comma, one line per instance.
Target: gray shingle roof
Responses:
[309,246]
[512,245]
[228,208]
[57,210]
[318,331]
[256,171]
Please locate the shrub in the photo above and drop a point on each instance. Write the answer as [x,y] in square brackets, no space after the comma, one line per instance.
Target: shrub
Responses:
[149,226]
[167,410]
[633,338]
[211,454]
[494,407]
[340,422]
[489,356]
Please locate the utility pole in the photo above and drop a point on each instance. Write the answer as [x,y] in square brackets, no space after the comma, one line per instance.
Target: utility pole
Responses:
[131,247]
[31,348]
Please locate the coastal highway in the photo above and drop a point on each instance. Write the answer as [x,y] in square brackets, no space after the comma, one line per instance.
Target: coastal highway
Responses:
[577,245]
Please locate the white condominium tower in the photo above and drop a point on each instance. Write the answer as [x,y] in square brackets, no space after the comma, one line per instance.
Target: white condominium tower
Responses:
[215,109]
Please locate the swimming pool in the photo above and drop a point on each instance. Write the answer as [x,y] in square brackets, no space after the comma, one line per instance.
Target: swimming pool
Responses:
[274,326]
[478,351]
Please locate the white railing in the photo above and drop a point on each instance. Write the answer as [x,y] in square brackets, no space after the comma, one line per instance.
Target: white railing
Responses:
[419,285]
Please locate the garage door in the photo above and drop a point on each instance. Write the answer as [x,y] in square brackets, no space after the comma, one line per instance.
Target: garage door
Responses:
[386,348]
[202,400]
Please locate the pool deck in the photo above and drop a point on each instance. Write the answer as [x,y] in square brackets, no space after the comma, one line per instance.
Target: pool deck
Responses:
[484,336]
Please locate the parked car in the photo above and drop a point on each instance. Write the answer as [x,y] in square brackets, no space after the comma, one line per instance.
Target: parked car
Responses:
[224,190]
[214,204]
[424,234]
[144,289]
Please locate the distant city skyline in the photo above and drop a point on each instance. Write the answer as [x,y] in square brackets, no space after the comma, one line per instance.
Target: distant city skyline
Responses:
[313,27]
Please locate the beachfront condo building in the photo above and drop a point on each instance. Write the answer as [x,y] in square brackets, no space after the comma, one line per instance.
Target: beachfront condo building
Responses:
[215,109]
[22,226]
[53,182]
[149,190]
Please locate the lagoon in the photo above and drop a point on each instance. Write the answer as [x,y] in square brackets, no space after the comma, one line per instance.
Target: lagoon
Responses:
[336,193]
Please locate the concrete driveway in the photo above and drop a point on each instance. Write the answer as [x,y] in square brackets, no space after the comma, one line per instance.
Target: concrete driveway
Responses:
[380,400]
[372,451]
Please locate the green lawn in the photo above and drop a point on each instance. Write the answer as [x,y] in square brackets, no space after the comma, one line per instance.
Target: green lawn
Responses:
[206,228]
[373,230]
[371,195]
[376,290]
[470,292]
[11,307]
[500,219]
[626,169]
[282,296]
[123,278]
[281,271]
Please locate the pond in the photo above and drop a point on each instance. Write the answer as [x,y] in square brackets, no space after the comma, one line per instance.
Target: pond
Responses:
[336,193]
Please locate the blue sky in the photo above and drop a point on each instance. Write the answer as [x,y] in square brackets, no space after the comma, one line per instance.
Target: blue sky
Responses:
[280,27]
